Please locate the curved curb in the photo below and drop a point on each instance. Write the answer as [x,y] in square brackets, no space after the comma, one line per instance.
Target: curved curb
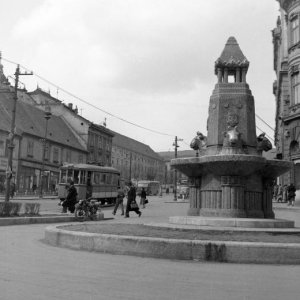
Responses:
[35,220]
[218,251]
[42,219]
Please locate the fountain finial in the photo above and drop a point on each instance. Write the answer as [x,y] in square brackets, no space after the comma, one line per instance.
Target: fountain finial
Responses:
[231,62]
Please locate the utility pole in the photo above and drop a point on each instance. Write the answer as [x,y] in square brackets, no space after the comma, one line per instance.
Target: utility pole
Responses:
[130,162]
[9,168]
[175,144]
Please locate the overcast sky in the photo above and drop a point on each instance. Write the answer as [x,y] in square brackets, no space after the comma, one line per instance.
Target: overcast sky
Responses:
[150,62]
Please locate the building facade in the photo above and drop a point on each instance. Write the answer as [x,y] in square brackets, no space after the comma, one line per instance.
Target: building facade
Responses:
[95,138]
[41,146]
[135,160]
[286,88]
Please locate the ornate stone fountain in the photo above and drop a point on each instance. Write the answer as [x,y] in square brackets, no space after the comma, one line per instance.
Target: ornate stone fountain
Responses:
[230,178]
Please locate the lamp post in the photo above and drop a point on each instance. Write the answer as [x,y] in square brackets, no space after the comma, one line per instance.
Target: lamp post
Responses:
[47,116]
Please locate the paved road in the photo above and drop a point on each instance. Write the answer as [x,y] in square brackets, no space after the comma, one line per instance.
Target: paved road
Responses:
[31,269]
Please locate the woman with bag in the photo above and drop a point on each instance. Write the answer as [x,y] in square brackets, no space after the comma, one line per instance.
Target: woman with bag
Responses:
[131,203]
[143,198]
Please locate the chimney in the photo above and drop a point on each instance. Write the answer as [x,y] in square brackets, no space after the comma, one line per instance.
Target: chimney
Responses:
[70,105]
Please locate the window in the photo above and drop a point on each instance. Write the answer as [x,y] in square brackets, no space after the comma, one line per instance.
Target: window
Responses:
[47,151]
[80,158]
[103,178]
[295,88]
[294,148]
[295,30]
[68,155]
[55,155]
[2,148]
[30,146]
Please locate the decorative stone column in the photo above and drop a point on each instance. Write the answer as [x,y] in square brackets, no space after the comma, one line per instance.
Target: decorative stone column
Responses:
[195,196]
[233,196]
[267,199]
[237,75]
[225,75]
[219,75]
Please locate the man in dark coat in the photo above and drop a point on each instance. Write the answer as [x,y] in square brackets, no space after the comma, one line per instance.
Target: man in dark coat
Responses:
[131,195]
[71,199]
[291,194]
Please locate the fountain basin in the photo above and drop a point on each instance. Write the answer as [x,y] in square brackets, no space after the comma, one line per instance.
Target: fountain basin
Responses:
[231,185]
[230,164]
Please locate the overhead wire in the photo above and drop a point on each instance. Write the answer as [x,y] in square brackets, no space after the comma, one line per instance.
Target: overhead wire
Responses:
[90,104]
[108,113]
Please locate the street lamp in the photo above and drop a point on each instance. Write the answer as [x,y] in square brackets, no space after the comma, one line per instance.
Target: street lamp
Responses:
[47,116]
[175,144]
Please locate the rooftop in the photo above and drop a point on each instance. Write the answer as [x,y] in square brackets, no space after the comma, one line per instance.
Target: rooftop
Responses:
[31,120]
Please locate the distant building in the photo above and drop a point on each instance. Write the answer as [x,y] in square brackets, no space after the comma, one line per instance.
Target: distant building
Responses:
[135,160]
[168,156]
[286,88]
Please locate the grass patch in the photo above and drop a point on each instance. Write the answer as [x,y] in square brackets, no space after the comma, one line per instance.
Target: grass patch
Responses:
[189,234]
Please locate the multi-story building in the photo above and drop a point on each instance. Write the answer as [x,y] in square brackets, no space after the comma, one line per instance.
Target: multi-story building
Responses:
[42,143]
[286,88]
[135,160]
[96,139]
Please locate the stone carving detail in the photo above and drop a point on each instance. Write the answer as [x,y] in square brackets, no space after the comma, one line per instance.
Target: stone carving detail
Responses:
[232,120]
[263,143]
[199,141]
[232,138]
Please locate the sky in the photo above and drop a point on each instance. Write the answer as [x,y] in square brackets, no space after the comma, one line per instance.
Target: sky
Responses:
[146,66]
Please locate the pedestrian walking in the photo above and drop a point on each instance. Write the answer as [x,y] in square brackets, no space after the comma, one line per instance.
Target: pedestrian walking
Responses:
[119,201]
[275,190]
[131,202]
[291,194]
[284,193]
[279,193]
[71,199]
[143,197]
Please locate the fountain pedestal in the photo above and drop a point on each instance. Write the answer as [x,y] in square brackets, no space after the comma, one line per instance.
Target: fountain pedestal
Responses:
[230,178]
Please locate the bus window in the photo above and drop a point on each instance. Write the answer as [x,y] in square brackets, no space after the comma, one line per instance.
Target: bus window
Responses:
[63,176]
[76,176]
[96,178]
[82,177]
[69,175]
[108,178]
[103,178]
[115,179]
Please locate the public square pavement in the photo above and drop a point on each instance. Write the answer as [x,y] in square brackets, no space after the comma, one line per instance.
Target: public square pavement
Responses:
[31,269]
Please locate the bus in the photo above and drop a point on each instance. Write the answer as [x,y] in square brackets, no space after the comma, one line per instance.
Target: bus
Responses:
[91,181]
[151,187]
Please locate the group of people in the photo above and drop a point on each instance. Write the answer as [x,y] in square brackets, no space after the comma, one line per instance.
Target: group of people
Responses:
[129,192]
[131,204]
[285,193]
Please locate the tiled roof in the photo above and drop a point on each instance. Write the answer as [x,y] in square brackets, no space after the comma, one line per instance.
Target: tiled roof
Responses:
[123,141]
[232,56]
[30,120]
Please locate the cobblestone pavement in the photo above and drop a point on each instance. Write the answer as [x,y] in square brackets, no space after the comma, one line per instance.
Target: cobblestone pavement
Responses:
[31,269]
